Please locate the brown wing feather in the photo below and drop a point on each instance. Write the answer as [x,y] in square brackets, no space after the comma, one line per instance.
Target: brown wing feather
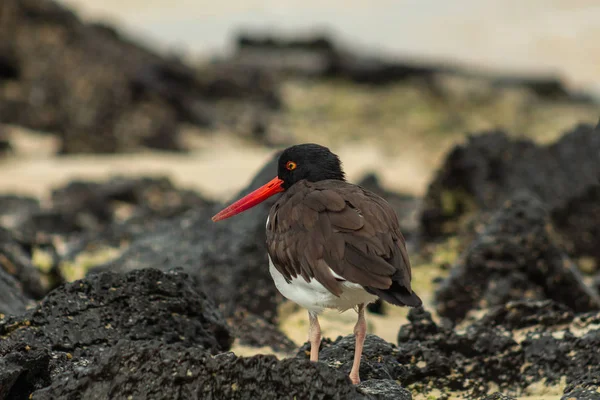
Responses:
[316,228]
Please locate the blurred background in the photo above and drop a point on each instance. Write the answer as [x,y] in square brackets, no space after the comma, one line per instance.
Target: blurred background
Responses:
[390,85]
[204,93]
[537,36]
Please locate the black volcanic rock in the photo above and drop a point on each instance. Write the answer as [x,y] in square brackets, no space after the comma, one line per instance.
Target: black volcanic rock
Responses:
[490,168]
[525,313]
[145,334]
[83,218]
[585,388]
[256,331]
[81,320]
[5,146]
[12,298]
[514,258]
[578,220]
[582,394]
[384,389]
[15,261]
[494,353]
[228,258]
[486,355]
[15,210]
[104,308]
[151,369]
[499,396]
[25,368]
[319,56]
[149,334]
[378,360]
[111,213]
[91,206]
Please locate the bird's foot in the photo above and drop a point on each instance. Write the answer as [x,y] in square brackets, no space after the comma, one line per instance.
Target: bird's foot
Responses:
[354,378]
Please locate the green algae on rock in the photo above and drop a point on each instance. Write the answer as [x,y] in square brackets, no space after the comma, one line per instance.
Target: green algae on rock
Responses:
[514,258]
[484,172]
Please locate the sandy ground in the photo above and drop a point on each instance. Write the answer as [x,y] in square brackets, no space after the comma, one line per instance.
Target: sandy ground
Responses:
[218,168]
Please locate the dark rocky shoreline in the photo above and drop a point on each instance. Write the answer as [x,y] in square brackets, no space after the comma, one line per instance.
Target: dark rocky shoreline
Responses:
[516,309]
[109,335]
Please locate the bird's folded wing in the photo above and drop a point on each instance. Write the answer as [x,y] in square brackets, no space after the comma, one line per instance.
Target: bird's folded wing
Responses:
[333,231]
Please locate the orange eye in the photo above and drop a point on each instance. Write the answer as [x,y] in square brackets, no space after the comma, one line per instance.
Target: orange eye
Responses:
[291,165]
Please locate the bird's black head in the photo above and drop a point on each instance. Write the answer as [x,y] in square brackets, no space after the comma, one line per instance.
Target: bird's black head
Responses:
[308,161]
[304,161]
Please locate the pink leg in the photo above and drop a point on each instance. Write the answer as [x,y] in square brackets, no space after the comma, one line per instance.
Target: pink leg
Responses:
[360,331]
[314,336]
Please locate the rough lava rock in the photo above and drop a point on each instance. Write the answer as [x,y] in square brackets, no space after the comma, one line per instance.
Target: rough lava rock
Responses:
[579,218]
[320,57]
[12,298]
[255,331]
[481,357]
[146,334]
[16,266]
[80,320]
[15,210]
[151,369]
[524,314]
[490,168]
[103,308]
[384,389]
[378,360]
[25,368]
[514,258]
[499,396]
[82,218]
[5,146]
[86,215]
[150,334]
[119,203]
[487,354]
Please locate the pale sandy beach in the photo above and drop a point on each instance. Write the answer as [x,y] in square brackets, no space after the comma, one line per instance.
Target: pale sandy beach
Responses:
[213,169]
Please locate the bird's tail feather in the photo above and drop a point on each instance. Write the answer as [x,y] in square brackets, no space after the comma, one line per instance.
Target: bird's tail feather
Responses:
[398,295]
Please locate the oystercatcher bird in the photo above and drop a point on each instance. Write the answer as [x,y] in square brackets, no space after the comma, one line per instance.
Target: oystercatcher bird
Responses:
[331,244]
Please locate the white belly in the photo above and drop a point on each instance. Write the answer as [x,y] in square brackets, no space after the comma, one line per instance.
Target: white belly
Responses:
[315,297]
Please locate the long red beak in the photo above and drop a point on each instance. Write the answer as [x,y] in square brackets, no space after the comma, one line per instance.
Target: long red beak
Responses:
[250,200]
